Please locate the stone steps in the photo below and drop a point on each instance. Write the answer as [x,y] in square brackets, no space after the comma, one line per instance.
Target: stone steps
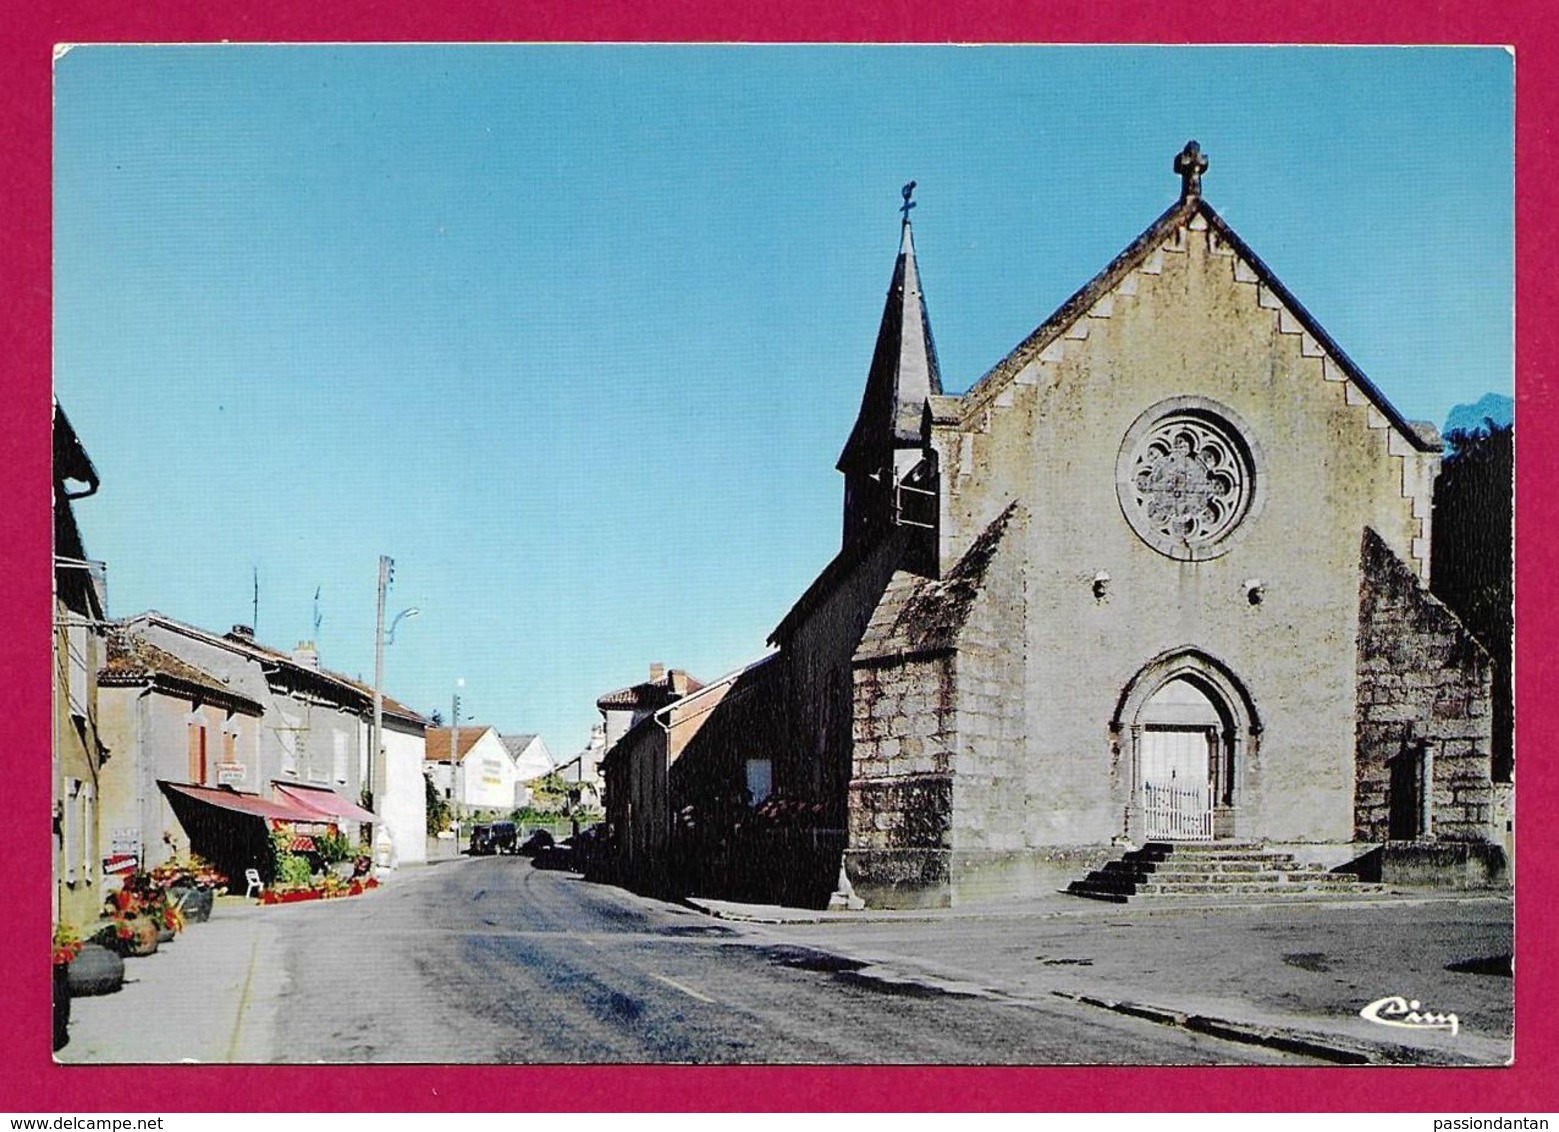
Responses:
[1169,870]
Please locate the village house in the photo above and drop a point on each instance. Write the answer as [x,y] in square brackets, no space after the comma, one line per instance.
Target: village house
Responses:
[626,708]
[633,778]
[482,778]
[79,749]
[166,720]
[582,773]
[217,733]
[400,800]
[686,791]
[532,762]
[1159,575]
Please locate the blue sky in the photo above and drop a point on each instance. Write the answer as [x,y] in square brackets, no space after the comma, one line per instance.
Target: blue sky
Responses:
[575,334]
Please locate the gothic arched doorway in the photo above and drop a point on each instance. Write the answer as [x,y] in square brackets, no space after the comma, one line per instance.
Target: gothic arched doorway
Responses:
[1188,728]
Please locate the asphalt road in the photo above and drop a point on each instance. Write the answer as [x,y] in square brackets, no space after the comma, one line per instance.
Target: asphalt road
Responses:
[490,960]
[1306,967]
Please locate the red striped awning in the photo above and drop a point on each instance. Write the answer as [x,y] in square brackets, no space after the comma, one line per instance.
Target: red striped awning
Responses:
[238,802]
[323,803]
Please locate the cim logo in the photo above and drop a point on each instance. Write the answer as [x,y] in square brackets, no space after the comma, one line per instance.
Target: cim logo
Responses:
[1407,1014]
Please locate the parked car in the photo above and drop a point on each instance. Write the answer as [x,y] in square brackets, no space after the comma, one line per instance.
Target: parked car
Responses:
[574,853]
[494,837]
[539,841]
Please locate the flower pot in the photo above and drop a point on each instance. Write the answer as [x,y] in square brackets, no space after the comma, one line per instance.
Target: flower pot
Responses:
[142,941]
[96,970]
[164,935]
[196,903]
[61,1005]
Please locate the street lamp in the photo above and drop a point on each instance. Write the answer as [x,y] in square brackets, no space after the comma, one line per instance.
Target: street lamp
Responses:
[454,756]
[389,638]
[376,739]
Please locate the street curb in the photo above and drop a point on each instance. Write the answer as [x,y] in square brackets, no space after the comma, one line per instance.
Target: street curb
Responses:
[1271,1037]
[778,914]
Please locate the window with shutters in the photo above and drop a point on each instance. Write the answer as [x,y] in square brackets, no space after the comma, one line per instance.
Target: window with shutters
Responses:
[76,646]
[197,751]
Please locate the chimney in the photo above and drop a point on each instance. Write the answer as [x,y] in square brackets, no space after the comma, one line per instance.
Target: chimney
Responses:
[242,633]
[657,673]
[306,654]
[678,682]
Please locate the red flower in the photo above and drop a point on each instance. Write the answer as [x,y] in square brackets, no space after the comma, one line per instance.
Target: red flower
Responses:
[66,952]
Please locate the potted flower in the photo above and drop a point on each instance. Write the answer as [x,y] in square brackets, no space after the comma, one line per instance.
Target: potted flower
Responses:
[133,933]
[143,896]
[96,967]
[67,945]
[190,885]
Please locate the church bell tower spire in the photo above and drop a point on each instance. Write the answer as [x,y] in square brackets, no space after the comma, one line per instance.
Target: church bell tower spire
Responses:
[888,442]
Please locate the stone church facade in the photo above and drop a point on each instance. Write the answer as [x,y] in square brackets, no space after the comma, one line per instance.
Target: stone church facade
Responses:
[1161,573]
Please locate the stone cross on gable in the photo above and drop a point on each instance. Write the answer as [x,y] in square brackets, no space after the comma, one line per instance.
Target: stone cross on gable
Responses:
[908,191]
[1191,163]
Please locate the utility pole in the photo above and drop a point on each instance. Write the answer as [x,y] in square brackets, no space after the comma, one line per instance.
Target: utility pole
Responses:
[454,762]
[376,733]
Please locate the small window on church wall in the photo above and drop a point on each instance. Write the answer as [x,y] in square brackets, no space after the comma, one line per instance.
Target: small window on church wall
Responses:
[1189,478]
[760,780]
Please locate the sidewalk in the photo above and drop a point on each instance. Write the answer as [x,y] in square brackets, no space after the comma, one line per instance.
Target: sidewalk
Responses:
[1285,975]
[209,996]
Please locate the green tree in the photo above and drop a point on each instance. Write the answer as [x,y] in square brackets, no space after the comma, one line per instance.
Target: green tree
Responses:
[1471,558]
[438,808]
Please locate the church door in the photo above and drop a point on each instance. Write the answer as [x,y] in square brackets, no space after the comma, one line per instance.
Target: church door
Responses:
[1177,788]
[1179,749]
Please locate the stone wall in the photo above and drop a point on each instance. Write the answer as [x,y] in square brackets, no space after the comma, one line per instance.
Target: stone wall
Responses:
[937,725]
[1424,690]
[814,759]
[901,791]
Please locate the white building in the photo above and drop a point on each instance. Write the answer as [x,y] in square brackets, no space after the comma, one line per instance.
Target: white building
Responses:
[532,761]
[400,799]
[483,775]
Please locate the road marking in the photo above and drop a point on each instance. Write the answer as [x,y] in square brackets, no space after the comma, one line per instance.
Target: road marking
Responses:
[243,1004]
[689,991]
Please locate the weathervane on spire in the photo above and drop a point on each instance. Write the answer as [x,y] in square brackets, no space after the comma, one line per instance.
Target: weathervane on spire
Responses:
[1190,163]
[908,191]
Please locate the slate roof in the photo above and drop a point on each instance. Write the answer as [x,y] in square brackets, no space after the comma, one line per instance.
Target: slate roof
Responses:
[904,369]
[517,743]
[393,708]
[918,615]
[323,677]
[841,566]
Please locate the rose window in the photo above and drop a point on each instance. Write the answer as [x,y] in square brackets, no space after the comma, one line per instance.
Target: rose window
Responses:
[1186,481]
